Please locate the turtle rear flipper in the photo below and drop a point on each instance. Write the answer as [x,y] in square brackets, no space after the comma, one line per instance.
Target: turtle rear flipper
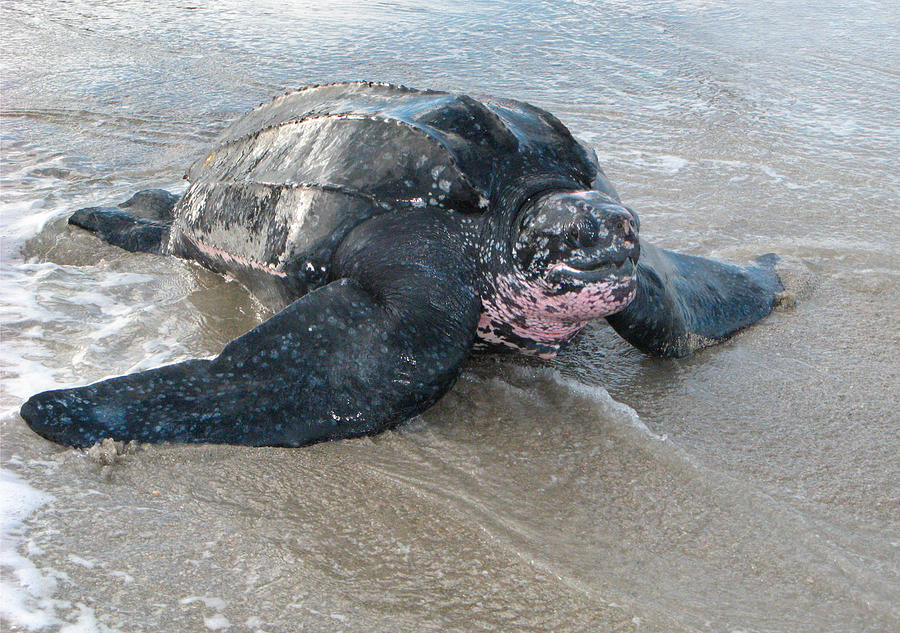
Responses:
[140,224]
[684,303]
[151,204]
[354,357]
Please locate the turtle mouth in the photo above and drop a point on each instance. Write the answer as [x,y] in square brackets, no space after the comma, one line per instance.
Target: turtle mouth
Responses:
[593,271]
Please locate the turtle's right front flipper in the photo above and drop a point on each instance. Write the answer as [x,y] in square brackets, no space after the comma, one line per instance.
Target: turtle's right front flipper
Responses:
[354,357]
[684,303]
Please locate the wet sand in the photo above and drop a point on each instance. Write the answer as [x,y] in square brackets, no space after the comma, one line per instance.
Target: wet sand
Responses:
[752,487]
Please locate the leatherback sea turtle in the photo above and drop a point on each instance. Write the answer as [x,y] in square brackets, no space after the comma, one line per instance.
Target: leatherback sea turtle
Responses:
[396,230]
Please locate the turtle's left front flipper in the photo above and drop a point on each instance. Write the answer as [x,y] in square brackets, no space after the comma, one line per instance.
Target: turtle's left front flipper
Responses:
[684,303]
[354,357]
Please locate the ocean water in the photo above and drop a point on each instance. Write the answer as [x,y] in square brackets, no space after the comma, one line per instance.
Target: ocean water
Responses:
[752,487]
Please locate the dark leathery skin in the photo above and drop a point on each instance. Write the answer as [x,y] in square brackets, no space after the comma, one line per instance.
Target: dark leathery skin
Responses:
[374,347]
[381,221]
[685,303]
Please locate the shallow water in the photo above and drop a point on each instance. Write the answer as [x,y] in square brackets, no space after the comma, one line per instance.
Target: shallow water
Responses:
[752,487]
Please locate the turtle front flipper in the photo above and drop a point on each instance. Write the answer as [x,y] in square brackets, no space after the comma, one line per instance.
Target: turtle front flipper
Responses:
[684,303]
[354,357]
[140,224]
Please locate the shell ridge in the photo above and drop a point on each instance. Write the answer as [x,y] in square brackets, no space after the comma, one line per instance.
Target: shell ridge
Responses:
[353,193]
[424,132]
[334,84]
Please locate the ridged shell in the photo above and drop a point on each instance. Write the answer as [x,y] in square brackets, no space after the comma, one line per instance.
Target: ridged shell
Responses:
[288,180]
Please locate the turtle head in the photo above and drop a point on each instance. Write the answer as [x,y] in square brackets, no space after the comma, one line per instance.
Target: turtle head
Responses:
[577,242]
[573,260]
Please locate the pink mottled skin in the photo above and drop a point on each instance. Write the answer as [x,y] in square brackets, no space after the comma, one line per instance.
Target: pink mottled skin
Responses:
[225,256]
[572,262]
[530,310]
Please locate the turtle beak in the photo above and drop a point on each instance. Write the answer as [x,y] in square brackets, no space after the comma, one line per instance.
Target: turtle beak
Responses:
[598,274]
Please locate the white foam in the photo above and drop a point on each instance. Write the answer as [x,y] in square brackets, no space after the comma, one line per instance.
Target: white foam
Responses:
[672,164]
[24,605]
[126,578]
[78,560]
[86,622]
[22,221]
[210,603]
[217,622]
[662,162]
[17,501]
[27,602]
[26,374]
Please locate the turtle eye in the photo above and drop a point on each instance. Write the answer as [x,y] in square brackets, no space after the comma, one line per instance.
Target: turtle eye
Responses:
[584,233]
[588,233]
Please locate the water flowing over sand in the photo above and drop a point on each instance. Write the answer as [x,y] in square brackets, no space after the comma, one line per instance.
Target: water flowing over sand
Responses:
[752,487]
